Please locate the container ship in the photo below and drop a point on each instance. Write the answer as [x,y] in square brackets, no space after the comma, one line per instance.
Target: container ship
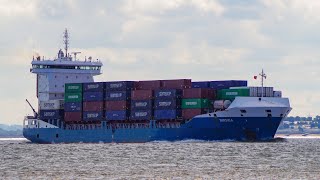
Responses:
[73,108]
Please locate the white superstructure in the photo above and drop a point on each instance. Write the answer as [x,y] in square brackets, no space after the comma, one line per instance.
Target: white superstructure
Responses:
[52,75]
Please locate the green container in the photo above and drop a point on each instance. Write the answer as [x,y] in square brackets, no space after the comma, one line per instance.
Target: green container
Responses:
[231,94]
[195,103]
[73,97]
[73,87]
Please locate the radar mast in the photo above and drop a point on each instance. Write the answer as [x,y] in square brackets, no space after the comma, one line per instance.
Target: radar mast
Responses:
[263,76]
[66,41]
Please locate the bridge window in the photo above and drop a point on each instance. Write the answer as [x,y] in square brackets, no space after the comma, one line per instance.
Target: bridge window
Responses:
[268,111]
[66,67]
[243,111]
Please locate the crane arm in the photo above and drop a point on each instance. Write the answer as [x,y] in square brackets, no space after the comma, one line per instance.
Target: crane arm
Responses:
[34,111]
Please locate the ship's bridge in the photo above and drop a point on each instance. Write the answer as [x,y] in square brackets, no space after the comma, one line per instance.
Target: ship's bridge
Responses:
[61,65]
[52,75]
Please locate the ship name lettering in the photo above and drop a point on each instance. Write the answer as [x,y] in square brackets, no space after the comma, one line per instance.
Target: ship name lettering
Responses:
[226,120]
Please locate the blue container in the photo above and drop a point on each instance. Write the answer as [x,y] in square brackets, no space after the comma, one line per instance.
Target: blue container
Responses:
[218,85]
[73,106]
[93,87]
[167,103]
[241,83]
[141,104]
[141,115]
[201,84]
[92,96]
[117,95]
[167,114]
[117,115]
[168,93]
[51,114]
[119,85]
[93,116]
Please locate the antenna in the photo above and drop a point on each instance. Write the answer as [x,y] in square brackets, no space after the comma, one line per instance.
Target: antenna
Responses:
[263,76]
[75,55]
[66,40]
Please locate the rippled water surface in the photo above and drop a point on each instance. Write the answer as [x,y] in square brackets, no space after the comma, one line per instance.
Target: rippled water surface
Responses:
[293,158]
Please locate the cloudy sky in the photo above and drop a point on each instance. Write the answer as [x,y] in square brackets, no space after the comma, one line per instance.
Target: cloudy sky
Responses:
[146,39]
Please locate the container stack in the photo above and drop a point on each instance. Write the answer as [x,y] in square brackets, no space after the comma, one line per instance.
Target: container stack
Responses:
[147,85]
[218,85]
[141,105]
[147,100]
[167,104]
[231,94]
[117,100]
[257,91]
[196,101]
[52,109]
[73,102]
[93,96]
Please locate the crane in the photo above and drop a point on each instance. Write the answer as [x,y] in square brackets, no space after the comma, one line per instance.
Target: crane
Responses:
[34,111]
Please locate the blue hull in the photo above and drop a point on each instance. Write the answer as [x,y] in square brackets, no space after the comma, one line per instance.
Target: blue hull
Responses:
[208,129]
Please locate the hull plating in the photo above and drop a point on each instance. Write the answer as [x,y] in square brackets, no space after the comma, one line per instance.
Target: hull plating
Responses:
[208,128]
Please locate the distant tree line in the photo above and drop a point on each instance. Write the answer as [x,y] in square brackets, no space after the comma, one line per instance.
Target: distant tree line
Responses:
[298,118]
[313,122]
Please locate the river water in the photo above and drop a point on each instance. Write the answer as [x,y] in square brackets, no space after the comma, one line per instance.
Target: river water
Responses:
[291,158]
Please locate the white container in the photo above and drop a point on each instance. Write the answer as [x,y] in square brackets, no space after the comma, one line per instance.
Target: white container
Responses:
[221,104]
[51,105]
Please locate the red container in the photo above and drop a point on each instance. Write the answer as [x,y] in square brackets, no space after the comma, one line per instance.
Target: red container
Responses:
[199,93]
[141,94]
[190,113]
[116,105]
[148,85]
[93,106]
[72,116]
[176,84]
